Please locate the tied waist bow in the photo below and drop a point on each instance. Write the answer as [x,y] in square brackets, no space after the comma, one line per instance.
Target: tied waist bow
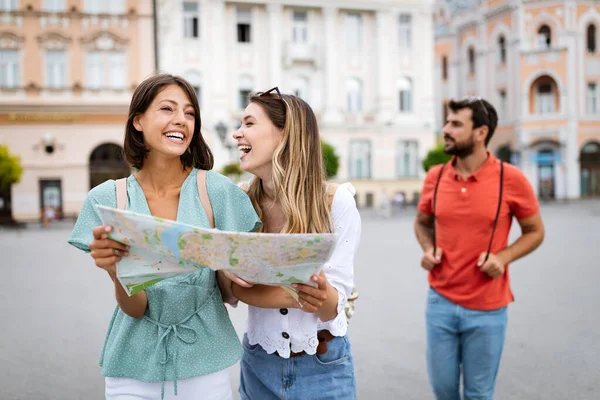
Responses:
[165,332]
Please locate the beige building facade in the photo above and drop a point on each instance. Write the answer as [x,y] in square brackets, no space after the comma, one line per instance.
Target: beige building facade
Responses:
[538,62]
[67,72]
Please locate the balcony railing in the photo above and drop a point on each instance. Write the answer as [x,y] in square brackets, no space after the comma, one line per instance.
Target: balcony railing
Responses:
[300,52]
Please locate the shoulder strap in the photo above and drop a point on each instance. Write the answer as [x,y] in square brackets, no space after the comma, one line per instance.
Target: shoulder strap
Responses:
[330,190]
[435,190]
[121,193]
[203,193]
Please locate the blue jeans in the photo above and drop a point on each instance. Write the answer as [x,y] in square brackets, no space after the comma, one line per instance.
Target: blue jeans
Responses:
[328,376]
[457,336]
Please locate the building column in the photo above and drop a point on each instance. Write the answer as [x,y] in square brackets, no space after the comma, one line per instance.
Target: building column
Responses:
[275,44]
[332,114]
[218,104]
[386,79]
[571,162]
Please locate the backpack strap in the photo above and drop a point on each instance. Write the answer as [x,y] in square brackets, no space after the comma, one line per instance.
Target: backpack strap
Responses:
[121,193]
[203,193]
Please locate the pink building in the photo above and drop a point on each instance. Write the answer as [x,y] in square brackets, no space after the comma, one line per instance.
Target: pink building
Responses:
[67,72]
[538,62]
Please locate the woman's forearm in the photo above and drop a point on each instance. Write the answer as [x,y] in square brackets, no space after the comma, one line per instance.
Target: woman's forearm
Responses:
[134,306]
[264,296]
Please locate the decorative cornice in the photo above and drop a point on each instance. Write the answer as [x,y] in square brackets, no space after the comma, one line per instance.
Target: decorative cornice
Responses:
[53,41]
[10,41]
[103,41]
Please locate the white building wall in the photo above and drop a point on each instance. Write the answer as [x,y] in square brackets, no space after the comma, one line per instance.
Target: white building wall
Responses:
[272,59]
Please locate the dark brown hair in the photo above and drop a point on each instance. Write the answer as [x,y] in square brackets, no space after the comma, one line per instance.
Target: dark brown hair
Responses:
[483,113]
[198,154]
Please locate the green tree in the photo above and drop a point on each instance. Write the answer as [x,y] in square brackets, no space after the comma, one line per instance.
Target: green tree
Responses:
[10,168]
[232,170]
[435,156]
[330,159]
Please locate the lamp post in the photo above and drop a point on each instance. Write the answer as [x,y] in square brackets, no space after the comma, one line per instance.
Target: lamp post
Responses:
[221,129]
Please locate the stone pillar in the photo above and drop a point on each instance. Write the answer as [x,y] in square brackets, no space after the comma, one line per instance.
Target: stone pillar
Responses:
[275,45]
[218,104]
[332,114]
[386,79]
[571,161]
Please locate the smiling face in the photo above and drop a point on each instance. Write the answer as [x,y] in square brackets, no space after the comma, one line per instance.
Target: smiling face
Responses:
[168,123]
[257,140]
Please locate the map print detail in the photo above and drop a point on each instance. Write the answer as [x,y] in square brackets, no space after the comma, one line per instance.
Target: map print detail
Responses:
[163,248]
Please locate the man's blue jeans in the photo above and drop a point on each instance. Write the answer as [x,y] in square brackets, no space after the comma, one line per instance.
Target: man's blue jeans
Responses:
[460,337]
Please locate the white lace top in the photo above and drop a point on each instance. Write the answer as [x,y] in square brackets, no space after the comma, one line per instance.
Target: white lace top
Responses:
[282,329]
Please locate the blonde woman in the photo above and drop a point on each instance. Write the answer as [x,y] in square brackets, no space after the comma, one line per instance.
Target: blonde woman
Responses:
[296,349]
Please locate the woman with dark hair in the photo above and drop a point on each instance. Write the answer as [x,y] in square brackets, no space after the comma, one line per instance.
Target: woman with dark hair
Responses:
[176,333]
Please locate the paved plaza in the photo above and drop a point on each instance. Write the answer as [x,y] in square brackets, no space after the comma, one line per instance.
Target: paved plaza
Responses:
[56,306]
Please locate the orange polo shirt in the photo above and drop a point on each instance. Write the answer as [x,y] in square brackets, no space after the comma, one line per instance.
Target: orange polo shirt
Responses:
[465,214]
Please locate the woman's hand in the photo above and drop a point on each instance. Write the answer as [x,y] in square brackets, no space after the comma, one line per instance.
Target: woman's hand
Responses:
[237,280]
[106,252]
[312,298]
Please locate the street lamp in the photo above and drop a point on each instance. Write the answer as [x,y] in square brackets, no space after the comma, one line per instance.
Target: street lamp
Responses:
[221,129]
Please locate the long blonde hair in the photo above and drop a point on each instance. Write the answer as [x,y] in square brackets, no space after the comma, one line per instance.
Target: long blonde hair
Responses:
[298,172]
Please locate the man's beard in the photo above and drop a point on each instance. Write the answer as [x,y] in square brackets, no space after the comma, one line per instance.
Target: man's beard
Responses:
[460,150]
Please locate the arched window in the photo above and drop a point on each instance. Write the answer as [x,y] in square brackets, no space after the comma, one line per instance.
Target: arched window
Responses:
[501,50]
[354,95]
[405,89]
[545,95]
[471,55]
[591,38]
[544,37]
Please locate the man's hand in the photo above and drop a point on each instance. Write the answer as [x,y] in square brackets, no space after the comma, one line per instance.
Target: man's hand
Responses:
[430,260]
[493,267]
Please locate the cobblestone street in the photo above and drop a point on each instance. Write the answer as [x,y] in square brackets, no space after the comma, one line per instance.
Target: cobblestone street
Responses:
[56,306]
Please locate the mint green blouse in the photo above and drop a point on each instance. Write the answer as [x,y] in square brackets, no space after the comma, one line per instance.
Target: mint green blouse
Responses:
[185,331]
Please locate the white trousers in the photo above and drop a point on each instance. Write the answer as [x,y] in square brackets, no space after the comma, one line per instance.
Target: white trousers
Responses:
[215,386]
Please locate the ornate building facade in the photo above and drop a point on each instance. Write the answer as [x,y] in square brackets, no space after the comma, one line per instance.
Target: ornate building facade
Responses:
[67,72]
[538,62]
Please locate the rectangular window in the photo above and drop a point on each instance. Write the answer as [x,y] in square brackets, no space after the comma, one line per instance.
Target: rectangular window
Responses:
[405,100]
[405,31]
[54,5]
[9,69]
[93,6]
[593,107]
[115,7]
[300,27]
[353,28]
[502,105]
[191,20]
[360,159]
[56,69]
[117,62]
[244,25]
[94,66]
[407,158]
[8,5]
[243,98]
[544,103]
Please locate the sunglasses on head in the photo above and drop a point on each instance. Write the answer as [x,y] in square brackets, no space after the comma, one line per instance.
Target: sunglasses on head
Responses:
[276,89]
[474,99]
